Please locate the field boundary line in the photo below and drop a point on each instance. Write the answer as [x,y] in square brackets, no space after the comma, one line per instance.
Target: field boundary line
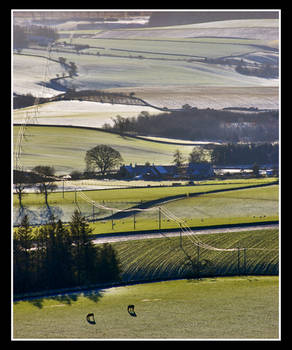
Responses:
[248,225]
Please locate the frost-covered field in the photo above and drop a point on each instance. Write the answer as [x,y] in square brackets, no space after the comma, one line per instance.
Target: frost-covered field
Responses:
[29,72]
[264,29]
[81,113]
[263,97]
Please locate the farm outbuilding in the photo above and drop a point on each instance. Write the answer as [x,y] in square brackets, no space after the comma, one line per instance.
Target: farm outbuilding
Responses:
[200,170]
[148,172]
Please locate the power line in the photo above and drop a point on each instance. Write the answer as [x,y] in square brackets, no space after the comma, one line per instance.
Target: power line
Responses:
[183,227]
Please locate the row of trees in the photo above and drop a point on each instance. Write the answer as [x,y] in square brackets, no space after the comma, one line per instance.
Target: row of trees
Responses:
[58,256]
[236,153]
[203,124]
[42,176]
[70,67]
[23,35]
[198,155]
[264,71]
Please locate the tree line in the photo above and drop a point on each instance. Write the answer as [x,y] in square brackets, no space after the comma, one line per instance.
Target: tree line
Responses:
[57,256]
[264,71]
[234,154]
[202,124]
[23,35]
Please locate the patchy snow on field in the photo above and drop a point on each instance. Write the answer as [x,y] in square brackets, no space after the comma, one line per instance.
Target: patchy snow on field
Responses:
[81,113]
[29,72]
[263,97]
[264,29]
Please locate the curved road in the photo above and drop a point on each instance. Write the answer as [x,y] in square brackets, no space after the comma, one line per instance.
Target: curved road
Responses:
[132,236]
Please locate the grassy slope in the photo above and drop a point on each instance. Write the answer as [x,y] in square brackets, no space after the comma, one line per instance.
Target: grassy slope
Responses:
[149,193]
[238,29]
[243,206]
[213,308]
[102,72]
[161,48]
[65,148]
[82,113]
[163,257]
[110,72]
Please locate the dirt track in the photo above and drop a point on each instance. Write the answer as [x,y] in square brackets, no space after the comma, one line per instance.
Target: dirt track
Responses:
[132,236]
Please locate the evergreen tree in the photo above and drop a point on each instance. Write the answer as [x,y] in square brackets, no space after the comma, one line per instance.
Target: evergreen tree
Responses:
[109,264]
[21,254]
[83,252]
[64,255]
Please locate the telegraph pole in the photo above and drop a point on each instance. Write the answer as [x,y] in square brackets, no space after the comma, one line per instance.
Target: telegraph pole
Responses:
[134,221]
[198,258]
[238,260]
[159,218]
[244,260]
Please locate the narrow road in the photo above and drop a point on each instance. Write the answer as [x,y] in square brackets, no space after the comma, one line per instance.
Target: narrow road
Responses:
[136,236]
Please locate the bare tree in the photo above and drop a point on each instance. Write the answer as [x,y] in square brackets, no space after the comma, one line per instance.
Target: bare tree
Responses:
[19,185]
[46,183]
[103,157]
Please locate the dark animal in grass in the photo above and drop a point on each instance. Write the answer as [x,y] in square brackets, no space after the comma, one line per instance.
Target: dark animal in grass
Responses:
[90,318]
[131,310]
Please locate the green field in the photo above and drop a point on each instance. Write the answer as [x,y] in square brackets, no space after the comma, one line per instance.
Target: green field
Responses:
[228,207]
[170,257]
[196,289]
[217,308]
[164,48]
[207,308]
[65,148]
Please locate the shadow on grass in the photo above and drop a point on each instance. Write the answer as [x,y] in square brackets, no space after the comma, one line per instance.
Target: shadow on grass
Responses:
[66,298]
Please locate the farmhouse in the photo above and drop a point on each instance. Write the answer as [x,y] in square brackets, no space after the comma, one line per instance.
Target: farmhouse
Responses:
[148,172]
[166,172]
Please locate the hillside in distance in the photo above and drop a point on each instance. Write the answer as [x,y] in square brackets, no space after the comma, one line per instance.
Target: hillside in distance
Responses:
[168,18]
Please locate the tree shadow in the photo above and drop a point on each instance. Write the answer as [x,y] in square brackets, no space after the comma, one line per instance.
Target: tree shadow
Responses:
[94,295]
[46,212]
[38,216]
[66,298]
[18,215]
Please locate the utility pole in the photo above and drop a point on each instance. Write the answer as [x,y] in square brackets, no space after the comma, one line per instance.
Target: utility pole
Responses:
[198,258]
[159,218]
[244,260]
[112,220]
[134,221]
[238,260]
[180,236]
